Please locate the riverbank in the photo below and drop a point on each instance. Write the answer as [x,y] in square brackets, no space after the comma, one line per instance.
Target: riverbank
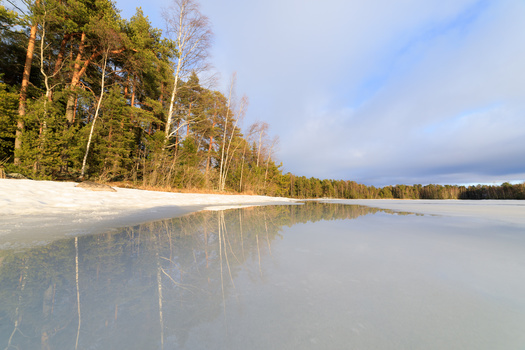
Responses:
[36,212]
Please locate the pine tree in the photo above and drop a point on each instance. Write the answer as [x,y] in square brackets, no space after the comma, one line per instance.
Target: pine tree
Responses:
[8,115]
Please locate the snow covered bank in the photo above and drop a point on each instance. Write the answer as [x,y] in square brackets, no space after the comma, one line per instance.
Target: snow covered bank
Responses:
[40,211]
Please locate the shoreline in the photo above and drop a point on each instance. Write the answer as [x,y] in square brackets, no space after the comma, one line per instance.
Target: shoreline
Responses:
[34,212]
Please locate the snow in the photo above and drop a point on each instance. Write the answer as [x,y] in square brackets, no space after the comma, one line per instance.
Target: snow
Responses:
[33,212]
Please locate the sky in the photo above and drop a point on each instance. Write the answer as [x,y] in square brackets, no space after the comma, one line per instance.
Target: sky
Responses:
[380,92]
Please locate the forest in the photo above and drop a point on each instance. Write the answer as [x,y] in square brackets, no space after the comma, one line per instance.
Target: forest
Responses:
[86,94]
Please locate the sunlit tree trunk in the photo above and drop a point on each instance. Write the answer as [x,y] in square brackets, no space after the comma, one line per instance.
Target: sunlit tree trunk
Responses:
[169,121]
[229,152]
[242,165]
[23,91]
[70,107]
[79,69]
[225,126]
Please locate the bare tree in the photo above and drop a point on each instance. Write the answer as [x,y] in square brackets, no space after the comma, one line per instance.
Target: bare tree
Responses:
[261,130]
[275,141]
[232,85]
[109,38]
[97,111]
[47,77]
[227,153]
[228,160]
[191,33]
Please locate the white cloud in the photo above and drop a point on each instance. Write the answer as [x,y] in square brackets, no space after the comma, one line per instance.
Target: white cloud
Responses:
[382,91]
[456,72]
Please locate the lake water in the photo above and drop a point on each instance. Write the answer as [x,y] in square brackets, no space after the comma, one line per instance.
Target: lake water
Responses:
[313,276]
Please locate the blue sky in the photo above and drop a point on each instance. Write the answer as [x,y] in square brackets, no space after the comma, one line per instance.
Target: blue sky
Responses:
[380,92]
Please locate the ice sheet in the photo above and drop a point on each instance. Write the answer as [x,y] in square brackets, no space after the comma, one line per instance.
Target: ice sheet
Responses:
[40,211]
[508,211]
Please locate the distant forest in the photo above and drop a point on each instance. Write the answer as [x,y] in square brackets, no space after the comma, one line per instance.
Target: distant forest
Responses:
[86,94]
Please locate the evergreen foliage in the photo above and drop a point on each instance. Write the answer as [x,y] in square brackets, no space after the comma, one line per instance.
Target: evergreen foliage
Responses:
[8,108]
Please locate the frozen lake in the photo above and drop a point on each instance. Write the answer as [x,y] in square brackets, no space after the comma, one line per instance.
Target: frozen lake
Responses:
[314,276]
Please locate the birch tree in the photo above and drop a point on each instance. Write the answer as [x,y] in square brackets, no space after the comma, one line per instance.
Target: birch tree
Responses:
[47,77]
[275,141]
[97,111]
[261,130]
[110,38]
[191,33]
[229,153]
[225,126]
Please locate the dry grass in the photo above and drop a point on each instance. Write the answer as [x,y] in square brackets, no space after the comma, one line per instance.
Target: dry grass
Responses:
[129,184]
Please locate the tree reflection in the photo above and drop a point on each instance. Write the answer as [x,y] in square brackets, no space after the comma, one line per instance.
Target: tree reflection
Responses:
[144,286]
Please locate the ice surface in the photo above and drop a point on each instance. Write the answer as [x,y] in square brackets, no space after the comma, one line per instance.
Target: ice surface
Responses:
[315,276]
[508,211]
[40,211]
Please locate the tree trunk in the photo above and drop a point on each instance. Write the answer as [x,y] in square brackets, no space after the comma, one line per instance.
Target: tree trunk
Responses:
[103,80]
[188,127]
[208,159]
[222,169]
[172,103]
[43,125]
[70,108]
[242,166]
[23,92]
[61,53]
[192,34]
[60,59]
[259,148]
[209,156]
[78,71]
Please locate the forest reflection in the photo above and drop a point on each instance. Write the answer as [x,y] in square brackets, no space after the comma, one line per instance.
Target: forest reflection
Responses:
[145,286]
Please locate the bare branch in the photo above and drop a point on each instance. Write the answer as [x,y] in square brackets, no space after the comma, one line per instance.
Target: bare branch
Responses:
[190,30]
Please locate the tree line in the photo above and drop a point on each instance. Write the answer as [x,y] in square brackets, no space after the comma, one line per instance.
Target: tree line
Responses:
[85,93]
[302,187]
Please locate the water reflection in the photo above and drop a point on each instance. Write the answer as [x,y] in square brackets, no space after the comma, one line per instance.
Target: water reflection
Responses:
[143,287]
[313,276]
